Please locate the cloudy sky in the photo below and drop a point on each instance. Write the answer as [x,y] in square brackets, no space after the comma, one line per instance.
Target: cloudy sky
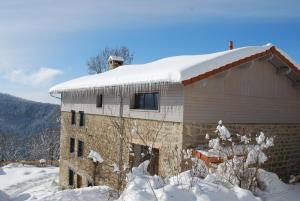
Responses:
[46,42]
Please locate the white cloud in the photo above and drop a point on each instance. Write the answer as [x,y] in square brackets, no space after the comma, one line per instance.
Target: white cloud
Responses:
[44,75]
[40,76]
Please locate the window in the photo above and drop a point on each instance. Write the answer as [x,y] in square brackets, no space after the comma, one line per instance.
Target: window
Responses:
[81,123]
[72,145]
[71,177]
[99,100]
[146,101]
[73,117]
[80,148]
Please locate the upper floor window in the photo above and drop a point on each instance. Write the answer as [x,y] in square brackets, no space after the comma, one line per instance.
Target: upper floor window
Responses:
[99,100]
[73,117]
[72,145]
[82,118]
[146,101]
[80,148]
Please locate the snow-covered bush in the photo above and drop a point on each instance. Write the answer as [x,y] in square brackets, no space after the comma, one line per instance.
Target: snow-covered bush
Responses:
[242,156]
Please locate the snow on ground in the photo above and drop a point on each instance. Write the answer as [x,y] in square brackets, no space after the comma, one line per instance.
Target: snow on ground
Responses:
[30,183]
[142,187]
[27,182]
[182,187]
[97,193]
[276,190]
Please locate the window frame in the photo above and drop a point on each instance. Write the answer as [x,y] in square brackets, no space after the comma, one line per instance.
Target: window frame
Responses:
[99,101]
[135,100]
[73,117]
[72,148]
[80,149]
[81,119]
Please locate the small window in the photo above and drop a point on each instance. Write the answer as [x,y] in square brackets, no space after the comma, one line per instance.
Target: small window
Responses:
[146,101]
[80,148]
[81,123]
[73,117]
[99,100]
[72,145]
[71,177]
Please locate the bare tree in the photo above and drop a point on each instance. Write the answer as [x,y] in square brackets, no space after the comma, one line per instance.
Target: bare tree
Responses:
[46,145]
[99,63]
[9,149]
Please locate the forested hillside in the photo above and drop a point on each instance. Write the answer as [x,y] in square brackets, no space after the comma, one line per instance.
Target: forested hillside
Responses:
[28,128]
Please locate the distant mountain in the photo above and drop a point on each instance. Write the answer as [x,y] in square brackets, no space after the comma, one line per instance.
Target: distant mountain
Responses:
[23,117]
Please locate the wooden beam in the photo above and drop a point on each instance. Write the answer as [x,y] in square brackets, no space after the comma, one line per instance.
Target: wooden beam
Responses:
[284,70]
[266,58]
[247,65]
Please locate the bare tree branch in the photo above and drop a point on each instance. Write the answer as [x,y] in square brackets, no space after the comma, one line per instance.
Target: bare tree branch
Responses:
[99,63]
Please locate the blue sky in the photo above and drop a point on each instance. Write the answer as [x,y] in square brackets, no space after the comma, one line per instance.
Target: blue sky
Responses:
[46,42]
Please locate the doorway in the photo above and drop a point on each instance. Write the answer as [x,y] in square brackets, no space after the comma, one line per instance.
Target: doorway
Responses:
[79,181]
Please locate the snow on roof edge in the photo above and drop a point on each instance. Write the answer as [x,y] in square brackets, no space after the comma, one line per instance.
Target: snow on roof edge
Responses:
[171,70]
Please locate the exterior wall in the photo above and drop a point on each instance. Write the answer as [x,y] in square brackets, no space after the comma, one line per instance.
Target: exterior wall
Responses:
[255,94]
[100,135]
[284,157]
[247,99]
[95,136]
[170,105]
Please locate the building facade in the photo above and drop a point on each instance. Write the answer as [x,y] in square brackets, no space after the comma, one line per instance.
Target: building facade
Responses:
[257,91]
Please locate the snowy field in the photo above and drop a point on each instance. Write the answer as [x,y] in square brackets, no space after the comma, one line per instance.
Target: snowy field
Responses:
[28,183]
[20,183]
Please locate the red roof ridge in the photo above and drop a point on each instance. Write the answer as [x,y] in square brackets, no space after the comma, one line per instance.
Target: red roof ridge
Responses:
[245,60]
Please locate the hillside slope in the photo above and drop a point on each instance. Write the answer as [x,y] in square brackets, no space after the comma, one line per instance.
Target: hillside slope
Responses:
[23,117]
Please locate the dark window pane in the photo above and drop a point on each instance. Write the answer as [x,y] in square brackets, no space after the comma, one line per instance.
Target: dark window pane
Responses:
[148,101]
[99,100]
[80,148]
[149,104]
[81,123]
[71,177]
[72,145]
[73,117]
[140,101]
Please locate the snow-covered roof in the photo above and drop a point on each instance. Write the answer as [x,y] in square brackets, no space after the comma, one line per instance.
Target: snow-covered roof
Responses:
[177,69]
[116,58]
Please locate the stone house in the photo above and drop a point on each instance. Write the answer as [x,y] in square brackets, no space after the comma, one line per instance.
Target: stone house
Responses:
[170,104]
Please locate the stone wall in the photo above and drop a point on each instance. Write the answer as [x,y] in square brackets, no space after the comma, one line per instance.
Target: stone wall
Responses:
[97,135]
[100,134]
[284,157]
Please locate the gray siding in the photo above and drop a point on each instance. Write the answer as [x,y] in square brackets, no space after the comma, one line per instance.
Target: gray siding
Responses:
[255,94]
[170,109]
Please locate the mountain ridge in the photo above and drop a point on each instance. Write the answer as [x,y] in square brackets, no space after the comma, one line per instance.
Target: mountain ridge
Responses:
[19,116]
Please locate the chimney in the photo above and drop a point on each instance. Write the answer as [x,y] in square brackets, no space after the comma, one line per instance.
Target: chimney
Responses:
[115,61]
[231,45]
